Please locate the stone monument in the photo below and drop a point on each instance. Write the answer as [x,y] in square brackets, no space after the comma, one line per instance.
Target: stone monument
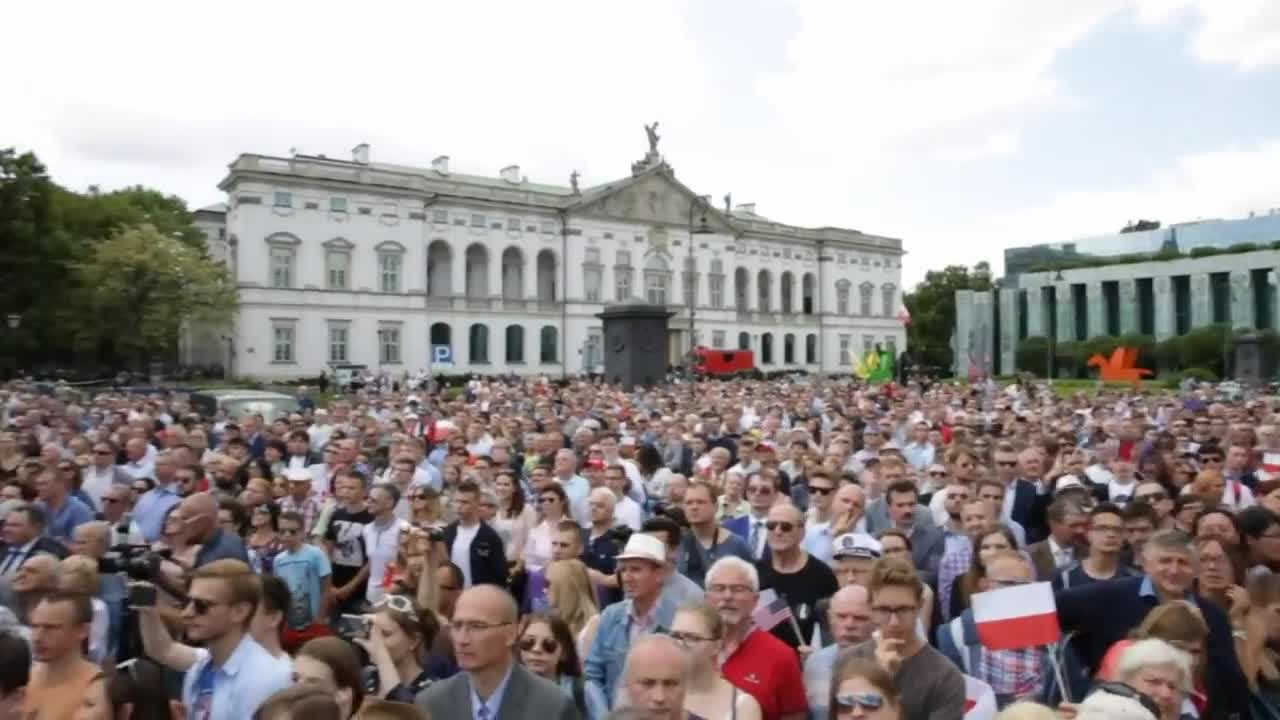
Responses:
[1247,354]
[635,344]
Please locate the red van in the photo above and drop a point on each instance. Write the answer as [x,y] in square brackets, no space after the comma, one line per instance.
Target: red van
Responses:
[714,361]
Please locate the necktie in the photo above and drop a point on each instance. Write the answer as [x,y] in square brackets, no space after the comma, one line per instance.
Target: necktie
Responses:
[755,537]
[483,713]
[12,561]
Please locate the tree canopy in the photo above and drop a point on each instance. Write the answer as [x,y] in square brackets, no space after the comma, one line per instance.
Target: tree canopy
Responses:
[99,278]
[932,305]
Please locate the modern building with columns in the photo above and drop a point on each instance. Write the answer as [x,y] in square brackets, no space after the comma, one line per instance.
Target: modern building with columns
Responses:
[1161,283]
[350,261]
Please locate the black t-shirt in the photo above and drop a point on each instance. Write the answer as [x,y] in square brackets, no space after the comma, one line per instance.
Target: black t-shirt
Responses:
[346,533]
[802,590]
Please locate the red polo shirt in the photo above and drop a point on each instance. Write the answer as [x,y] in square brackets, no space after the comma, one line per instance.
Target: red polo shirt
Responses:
[769,670]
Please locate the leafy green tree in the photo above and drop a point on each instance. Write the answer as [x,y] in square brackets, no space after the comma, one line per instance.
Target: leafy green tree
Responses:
[137,289]
[933,311]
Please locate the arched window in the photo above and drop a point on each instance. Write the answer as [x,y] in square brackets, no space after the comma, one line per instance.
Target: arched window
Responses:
[865,290]
[788,287]
[741,290]
[547,288]
[478,344]
[549,345]
[512,274]
[515,344]
[808,294]
[657,278]
[477,274]
[889,292]
[439,269]
[765,289]
[766,349]
[811,349]
[788,349]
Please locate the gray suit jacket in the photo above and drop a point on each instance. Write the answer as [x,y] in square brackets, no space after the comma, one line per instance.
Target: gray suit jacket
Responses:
[878,517]
[526,696]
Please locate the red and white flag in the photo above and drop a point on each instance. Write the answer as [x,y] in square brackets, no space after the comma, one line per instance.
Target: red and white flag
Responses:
[904,315]
[1016,617]
[979,700]
[771,610]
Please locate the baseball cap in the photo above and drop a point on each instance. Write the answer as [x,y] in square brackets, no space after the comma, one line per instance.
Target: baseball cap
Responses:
[856,545]
[1068,482]
[297,476]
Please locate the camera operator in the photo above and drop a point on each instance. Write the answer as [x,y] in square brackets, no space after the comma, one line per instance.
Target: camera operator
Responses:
[92,540]
[117,507]
[231,675]
[198,516]
[603,543]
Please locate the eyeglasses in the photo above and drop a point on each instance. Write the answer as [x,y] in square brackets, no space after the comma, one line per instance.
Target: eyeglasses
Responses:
[471,627]
[937,473]
[686,639]
[201,605]
[782,526]
[819,490]
[719,589]
[399,603]
[1127,691]
[1007,463]
[882,615]
[864,700]
[547,645]
[1149,498]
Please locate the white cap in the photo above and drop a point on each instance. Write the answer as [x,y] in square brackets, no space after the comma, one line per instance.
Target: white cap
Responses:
[644,547]
[1068,482]
[856,545]
[297,475]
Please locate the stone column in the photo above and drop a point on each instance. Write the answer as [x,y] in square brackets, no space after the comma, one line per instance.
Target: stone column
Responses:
[1036,320]
[530,272]
[1008,329]
[1066,314]
[1162,298]
[1096,305]
[1241,300]
[1201,301]
[1128,306]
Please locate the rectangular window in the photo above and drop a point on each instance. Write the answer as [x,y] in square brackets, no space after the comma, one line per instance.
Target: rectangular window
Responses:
[338,343]
[477,220]
[717,291]
[891,345]
[845,342]
[513,224]
[337,204]
[655,289]
[868,343]
[689,287]
[623,290]
[282,267]
[624,258]
[389,272]
[717,338]
[283,199]
[591,256]
[591,287]
[282,341]
[548,227]
[389,346]
[337,268]
[440,217]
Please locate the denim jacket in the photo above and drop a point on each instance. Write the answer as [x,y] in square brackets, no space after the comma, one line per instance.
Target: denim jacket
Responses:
[608,653]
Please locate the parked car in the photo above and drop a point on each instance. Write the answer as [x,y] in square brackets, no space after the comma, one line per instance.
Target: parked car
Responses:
[237,402]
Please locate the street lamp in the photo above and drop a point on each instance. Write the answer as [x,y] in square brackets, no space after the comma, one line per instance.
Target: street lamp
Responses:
[700,205]
[14,320]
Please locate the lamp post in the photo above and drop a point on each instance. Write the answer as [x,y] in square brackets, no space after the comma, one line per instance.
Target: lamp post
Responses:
[699,206]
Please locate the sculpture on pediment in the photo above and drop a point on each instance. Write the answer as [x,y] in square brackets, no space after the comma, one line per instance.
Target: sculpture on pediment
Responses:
[654,137]
[573,182]
[728,203]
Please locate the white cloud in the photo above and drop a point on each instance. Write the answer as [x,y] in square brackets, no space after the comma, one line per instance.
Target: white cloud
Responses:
[1226,183]
[1243,33]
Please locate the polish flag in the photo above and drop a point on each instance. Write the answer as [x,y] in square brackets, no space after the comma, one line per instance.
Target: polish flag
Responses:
[904,315]
[979,700]
[1016,617]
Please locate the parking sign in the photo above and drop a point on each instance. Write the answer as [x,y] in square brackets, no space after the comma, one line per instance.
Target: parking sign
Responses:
[441,355]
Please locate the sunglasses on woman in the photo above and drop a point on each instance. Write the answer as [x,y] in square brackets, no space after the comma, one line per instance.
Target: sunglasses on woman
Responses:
[399,603]
[547,645]
[864,700]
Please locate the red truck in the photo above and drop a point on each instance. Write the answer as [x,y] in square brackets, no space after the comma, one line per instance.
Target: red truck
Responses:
[717,362]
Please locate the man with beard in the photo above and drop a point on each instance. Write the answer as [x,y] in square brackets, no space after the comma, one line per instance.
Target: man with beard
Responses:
[231,675]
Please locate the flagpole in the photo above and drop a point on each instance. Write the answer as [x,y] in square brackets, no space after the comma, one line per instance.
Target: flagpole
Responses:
[1057,671]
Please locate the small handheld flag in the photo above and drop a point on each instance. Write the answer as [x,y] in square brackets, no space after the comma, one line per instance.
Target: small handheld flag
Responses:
[979,700]
[771,610]
[1016,617]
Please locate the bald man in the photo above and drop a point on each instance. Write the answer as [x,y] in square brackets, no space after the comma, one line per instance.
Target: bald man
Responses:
[654,677]
[491,686]
[849,616]
[200,514]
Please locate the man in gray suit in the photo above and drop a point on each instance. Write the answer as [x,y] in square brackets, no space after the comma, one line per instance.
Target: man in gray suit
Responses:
[491,686]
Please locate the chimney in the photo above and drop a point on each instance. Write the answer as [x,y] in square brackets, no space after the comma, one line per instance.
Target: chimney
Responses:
[745,208]
[360,153]
[441,164]
[511,174]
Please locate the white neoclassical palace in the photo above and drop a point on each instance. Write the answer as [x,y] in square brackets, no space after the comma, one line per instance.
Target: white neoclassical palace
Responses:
[401,268]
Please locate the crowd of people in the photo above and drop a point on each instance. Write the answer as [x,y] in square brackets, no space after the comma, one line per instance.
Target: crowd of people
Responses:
[718,550]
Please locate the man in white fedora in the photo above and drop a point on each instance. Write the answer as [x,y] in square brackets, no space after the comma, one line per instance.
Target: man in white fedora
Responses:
[642,565]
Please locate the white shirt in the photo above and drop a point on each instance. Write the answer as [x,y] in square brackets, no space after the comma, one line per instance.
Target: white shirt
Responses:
[382,545]
[627,512]
[1062,556]
[95,481]
[143,468]
[761,538]
[245,680]
[460,553]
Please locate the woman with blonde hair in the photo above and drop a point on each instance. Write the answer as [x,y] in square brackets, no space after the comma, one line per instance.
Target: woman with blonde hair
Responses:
[569,591]
[79,574]
[700,630]
[1026,710]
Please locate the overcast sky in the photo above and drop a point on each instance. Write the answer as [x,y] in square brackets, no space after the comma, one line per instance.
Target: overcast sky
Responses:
[960,127]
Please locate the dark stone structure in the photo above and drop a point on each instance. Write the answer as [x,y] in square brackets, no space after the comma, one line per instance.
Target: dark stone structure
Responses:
[1248,359]
[635,344]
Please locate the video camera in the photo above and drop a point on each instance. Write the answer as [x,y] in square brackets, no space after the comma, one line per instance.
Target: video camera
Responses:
[139,562]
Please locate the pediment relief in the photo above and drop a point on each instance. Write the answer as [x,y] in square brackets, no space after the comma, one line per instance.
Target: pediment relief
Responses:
[653,199]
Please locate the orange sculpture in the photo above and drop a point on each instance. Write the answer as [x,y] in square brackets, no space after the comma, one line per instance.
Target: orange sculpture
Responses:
[1120,366]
